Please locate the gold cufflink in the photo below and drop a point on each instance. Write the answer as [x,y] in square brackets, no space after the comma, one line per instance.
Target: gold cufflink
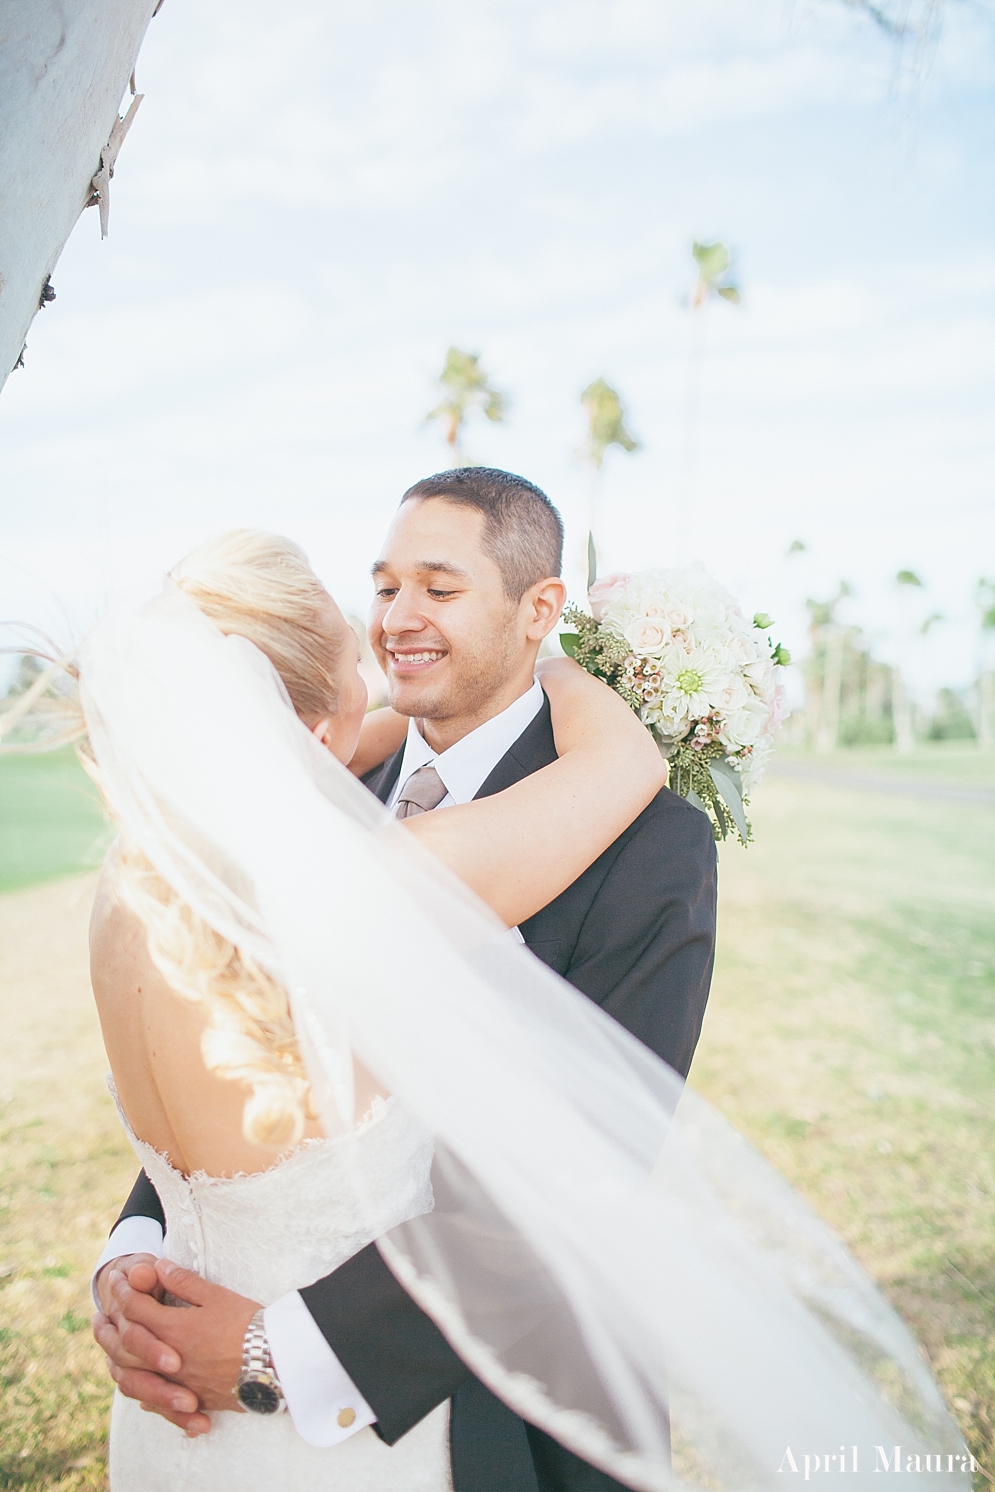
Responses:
[345,1417]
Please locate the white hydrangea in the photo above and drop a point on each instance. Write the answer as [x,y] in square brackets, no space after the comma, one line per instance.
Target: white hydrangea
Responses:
[703,670]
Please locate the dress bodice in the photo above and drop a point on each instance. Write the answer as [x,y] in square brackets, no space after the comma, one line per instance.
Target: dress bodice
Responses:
[269,1232]
[264,1235]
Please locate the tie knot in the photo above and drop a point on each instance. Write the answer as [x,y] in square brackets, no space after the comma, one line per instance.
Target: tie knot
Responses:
[423,791]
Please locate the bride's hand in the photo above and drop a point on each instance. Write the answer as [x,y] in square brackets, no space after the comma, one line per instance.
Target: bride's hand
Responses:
[124,1264]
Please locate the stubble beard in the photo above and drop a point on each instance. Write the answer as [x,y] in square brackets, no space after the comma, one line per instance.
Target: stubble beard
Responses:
[472,684]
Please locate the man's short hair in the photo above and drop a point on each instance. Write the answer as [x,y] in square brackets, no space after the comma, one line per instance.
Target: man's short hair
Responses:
[523,532]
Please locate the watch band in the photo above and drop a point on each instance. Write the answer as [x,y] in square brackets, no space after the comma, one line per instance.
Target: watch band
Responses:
[258,1387]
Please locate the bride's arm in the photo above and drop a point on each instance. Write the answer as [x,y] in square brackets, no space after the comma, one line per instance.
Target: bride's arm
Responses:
[381,733]
[519,849]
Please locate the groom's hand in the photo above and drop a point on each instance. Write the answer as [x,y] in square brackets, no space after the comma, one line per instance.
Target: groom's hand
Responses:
[198,1349]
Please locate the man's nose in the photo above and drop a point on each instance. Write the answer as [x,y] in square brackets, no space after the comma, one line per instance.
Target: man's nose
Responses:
[402,615]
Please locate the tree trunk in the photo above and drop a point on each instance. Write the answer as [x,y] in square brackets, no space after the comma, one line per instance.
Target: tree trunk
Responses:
[901,714]
[827,736]
[986,709]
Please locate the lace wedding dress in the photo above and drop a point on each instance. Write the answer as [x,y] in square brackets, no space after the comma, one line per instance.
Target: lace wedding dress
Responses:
[264,1235]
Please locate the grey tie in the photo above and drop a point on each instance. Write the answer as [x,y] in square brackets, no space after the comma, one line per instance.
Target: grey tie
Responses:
[423,791]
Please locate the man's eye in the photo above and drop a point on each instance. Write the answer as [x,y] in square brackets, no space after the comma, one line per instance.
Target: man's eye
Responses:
[386,590]
[441,595]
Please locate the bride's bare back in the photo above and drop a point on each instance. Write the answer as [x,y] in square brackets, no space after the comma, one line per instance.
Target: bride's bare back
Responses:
[153,1041]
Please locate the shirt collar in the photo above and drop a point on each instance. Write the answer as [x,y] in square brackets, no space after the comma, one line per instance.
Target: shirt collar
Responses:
[466,766]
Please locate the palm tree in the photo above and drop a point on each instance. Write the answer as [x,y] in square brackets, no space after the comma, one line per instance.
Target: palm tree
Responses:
[900,18]
[605,427]
[985,597]
[713,263]
[465,386]
[907,582]
[824,684]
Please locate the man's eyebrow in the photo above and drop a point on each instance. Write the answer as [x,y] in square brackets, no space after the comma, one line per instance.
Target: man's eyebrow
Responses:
[428,567]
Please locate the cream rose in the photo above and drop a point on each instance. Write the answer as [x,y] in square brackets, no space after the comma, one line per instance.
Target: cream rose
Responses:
[647,635]
[678,617]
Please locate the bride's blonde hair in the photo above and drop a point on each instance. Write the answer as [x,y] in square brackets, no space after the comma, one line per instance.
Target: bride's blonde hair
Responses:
[261,587]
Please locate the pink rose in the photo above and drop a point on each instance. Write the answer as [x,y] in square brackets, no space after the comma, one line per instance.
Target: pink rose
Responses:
[603,592]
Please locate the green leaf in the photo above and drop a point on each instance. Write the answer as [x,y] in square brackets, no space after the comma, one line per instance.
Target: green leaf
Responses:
[730,785]
[712,259]
[693,798]
[729,293]
[592,561]
[569,642]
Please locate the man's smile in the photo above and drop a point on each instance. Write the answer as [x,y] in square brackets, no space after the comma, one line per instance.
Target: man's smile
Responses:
[409,661]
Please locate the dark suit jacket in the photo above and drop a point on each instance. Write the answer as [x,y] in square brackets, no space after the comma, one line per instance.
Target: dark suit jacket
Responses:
[636,933]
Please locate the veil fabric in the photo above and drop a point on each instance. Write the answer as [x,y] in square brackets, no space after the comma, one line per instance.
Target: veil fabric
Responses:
[604,1252]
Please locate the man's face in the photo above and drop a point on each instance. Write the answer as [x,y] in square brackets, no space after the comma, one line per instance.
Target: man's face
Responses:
[447,636]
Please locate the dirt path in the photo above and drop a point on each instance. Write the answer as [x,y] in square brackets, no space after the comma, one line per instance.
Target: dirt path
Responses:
[866,782]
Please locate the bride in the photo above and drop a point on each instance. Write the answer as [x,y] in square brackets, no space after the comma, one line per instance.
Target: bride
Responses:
[205,1059]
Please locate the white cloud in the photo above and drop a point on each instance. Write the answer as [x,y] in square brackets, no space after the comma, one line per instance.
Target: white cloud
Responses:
[313,204]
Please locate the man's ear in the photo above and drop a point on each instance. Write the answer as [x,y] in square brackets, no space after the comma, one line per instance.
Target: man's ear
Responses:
[545,601]
[320,730]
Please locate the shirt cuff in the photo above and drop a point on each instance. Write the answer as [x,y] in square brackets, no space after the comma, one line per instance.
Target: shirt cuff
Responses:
[324,1403]
[136,1235]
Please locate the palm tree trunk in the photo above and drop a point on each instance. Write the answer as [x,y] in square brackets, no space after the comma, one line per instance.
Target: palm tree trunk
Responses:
[901,711]
[827,736]
[986,709]
[685,526]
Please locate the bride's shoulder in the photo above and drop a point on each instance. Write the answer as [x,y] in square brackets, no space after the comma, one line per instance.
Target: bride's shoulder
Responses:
[117,936]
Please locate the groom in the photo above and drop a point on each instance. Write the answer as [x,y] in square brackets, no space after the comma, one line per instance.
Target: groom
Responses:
[635,933]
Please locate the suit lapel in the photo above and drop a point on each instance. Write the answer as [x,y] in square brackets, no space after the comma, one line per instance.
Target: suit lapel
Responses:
[534,749]
[381,780]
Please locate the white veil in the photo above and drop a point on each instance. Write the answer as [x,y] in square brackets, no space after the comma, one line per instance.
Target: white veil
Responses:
[604,1252]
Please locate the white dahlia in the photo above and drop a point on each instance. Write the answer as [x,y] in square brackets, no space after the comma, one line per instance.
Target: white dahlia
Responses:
[693,682]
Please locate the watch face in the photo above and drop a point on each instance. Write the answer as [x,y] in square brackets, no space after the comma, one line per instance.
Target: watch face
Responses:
[258,1396]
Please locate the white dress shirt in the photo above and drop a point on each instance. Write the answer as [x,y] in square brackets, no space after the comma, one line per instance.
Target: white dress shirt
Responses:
[319,1392]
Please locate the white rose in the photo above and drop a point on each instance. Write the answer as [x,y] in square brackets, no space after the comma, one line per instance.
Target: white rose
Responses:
[761,675]
[743,649]
[732,697]
[647,635]
[745,725]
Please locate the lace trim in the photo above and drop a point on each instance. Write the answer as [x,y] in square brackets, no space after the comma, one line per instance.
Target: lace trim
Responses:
[578,1431]
[377,1113]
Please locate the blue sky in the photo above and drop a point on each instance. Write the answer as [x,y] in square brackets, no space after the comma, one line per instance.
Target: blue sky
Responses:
[317,199]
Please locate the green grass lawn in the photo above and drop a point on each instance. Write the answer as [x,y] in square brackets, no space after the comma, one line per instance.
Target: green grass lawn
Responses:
[850,1035]
[50,821]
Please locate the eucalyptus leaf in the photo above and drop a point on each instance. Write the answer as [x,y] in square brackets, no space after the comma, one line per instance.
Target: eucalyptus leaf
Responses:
[569,642]
[592,561]
[730,785]
[693,799]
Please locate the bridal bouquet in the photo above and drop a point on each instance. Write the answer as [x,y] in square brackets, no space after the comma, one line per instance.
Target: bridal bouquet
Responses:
[704,680]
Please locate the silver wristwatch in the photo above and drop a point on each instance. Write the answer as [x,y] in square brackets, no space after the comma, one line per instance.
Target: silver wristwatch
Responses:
[258,1388]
